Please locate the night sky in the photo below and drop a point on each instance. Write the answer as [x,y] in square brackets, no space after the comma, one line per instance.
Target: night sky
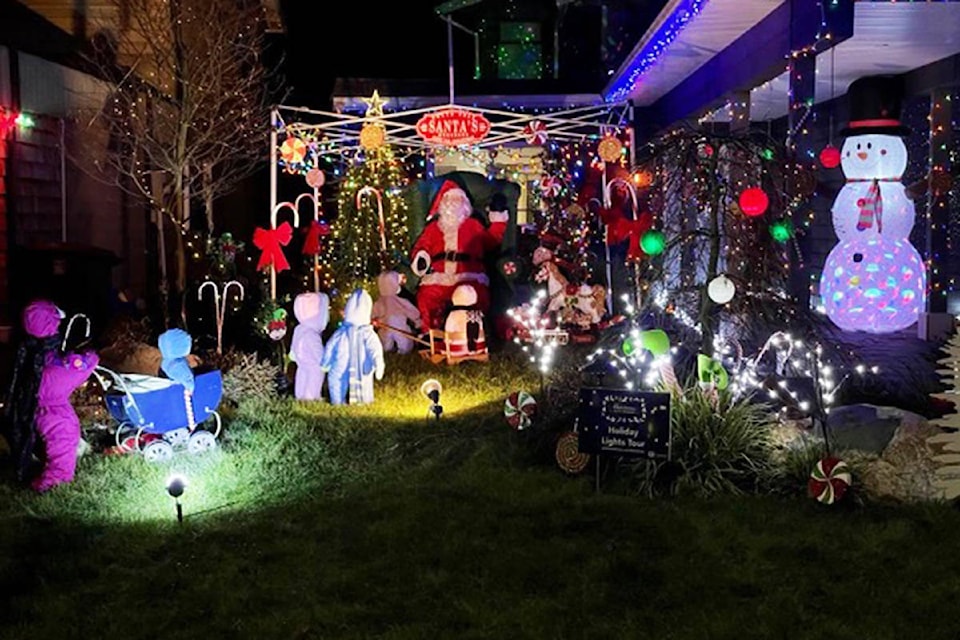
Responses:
[359,39]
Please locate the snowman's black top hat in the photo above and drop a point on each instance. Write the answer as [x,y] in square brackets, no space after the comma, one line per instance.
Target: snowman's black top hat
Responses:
[875,105]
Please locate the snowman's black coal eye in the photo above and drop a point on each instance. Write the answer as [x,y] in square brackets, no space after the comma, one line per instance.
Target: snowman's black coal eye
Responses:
[869,145]
[858,257]
[858,146]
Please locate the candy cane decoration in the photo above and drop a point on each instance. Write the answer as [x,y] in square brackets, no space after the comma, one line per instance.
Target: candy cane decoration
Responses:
[66,334]
[220,305]
[383,225]
[273,225]
[317,214]
[607,193]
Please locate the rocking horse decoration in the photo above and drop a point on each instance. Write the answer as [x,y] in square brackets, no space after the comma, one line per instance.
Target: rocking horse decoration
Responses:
[579,307]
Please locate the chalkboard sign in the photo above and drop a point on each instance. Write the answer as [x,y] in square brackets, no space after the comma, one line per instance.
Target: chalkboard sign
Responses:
[625,423]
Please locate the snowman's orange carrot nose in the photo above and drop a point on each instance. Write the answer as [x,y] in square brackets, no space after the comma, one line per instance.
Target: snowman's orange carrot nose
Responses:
[862,155]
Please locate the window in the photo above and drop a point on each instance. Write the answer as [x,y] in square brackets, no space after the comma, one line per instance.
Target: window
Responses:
[519,54]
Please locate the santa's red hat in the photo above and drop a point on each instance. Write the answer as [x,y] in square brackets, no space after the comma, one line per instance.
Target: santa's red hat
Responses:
[445,188]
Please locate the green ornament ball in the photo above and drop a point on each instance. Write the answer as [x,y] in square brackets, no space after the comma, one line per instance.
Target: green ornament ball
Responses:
[781,231]
[653,242]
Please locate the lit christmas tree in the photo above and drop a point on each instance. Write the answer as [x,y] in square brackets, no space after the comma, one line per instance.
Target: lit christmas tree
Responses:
[371,232]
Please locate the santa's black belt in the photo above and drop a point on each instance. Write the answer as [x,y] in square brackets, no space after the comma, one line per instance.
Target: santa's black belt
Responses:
[454,256]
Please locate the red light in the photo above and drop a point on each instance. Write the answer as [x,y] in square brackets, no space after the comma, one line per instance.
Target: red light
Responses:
[753,202]
[830,157]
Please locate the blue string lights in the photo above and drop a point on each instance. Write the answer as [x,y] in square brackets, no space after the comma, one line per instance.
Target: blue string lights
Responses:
[654,49]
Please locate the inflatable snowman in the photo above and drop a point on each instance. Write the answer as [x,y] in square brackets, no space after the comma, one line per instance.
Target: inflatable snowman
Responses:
[874,280]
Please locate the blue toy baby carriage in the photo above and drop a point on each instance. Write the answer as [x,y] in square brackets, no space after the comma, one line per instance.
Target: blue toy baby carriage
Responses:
[155,416]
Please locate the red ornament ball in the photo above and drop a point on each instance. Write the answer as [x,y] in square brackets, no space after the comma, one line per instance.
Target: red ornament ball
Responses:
[830,157]
[753,202]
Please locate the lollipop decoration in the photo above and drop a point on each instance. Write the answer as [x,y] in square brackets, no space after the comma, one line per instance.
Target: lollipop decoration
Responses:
[568,455]
[829,480]
[519,409]
[220,304]
[293,150]
[535,133]
[315,178]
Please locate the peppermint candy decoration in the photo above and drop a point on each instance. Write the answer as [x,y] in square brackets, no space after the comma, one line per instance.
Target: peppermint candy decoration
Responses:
[535,133]
[568,454]
[550,186]
[519,409]
[829,480]
[509,268]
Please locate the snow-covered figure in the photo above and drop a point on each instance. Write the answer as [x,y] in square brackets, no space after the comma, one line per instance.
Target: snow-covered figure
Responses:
[175,345]
[465,336]
[312,311]
[874,280]
[354,355]
[450,251]
[58,426]
[394,311]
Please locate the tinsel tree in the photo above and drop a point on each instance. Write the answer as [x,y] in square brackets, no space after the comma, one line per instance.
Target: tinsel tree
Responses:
[373,184]
[697,186]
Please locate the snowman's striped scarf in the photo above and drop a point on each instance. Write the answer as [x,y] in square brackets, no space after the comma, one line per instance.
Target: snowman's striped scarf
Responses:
[871,206]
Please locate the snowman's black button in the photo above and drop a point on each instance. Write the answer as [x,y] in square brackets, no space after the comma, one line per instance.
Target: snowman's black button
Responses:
[858,257]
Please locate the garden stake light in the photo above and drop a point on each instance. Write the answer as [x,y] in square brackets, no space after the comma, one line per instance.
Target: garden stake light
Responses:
[431,389]
[175,487]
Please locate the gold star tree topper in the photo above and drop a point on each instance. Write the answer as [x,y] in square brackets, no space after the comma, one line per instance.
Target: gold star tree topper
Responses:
[374,105]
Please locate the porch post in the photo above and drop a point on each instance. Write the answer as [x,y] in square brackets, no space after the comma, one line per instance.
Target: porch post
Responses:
[936,323]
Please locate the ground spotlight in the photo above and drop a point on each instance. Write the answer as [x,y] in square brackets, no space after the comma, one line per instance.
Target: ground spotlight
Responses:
[431,390]
[175,487]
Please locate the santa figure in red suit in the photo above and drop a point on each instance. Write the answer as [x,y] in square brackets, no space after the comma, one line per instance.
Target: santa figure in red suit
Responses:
[450,252]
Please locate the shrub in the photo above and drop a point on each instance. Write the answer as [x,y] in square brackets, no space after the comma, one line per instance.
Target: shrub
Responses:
[250,378]
[719,447]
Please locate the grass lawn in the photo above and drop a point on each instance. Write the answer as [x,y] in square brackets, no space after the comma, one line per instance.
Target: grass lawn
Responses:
[322,522]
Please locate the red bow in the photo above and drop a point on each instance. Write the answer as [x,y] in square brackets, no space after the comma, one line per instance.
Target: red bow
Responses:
[269,242]
[311,246]
[619,228]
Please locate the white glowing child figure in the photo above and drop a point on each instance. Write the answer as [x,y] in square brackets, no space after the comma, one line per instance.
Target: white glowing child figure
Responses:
[874,280]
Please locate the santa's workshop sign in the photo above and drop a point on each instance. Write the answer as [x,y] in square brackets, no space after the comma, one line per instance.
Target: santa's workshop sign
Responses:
[453,127]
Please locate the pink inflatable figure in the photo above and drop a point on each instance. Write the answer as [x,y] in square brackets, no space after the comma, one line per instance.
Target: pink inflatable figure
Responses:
[57,424]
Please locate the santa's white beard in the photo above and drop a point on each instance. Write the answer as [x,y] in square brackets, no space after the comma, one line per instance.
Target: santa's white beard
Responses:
[449,222]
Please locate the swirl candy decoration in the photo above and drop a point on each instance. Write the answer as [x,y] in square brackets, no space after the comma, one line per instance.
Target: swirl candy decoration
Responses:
[550,186]
[519,409]
[535,133]
[568,454]
[829,480]
[293,150]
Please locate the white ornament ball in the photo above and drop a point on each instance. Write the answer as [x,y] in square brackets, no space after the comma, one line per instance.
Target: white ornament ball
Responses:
[721,289]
